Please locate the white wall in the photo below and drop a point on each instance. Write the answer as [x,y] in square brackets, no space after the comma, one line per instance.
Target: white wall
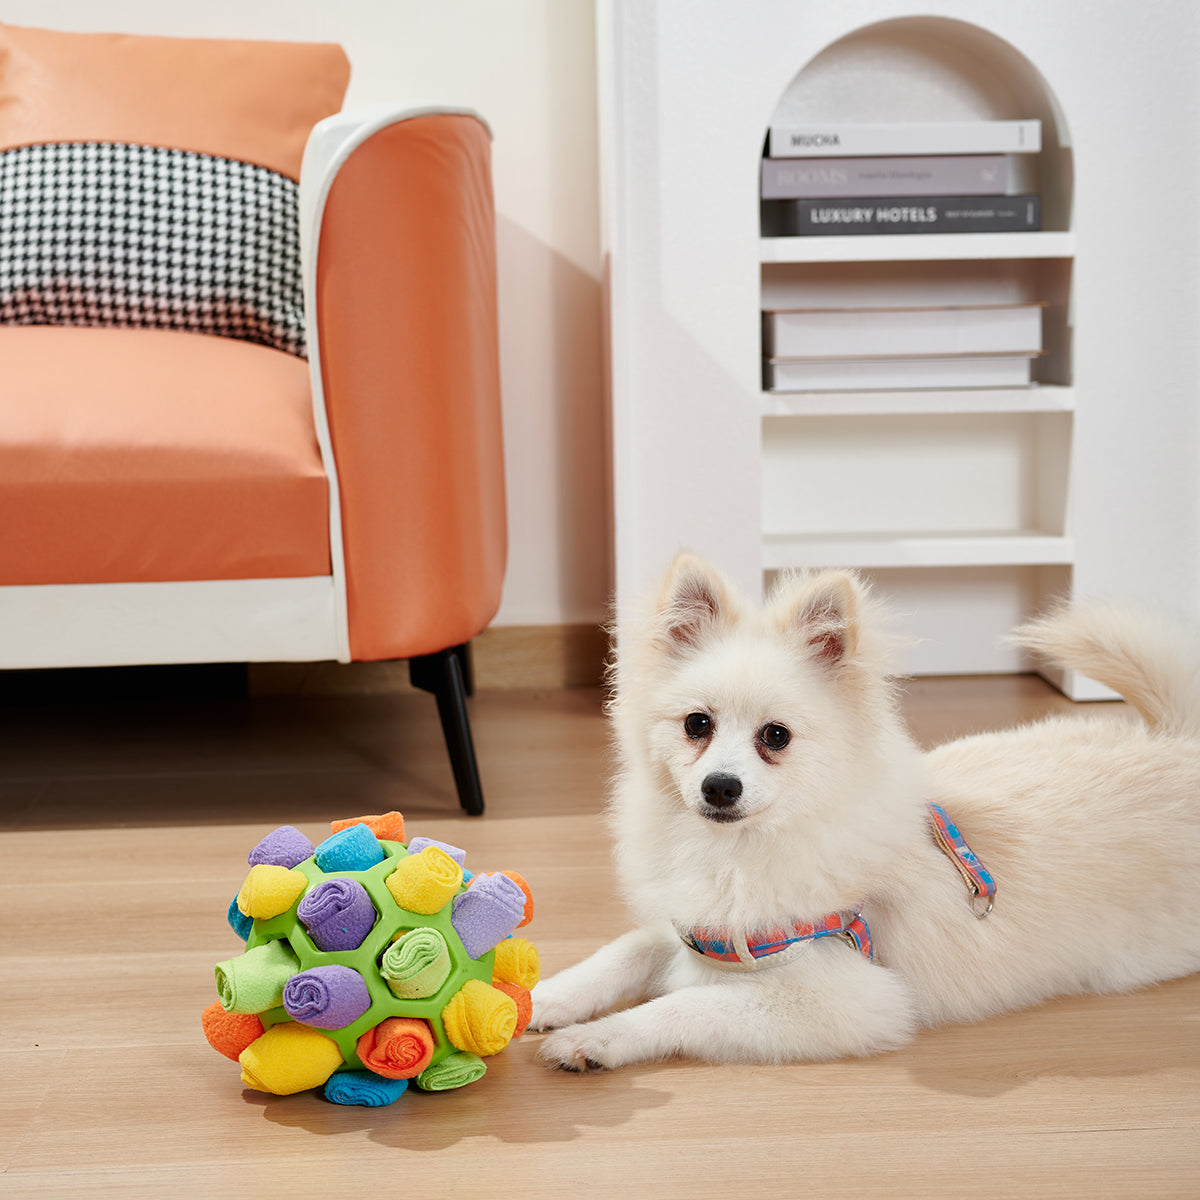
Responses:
[529,67]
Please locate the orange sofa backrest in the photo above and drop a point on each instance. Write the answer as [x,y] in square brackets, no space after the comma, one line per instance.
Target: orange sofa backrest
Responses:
[254,101]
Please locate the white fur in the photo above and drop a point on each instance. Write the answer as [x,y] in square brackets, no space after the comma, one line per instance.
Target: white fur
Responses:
[1090,825]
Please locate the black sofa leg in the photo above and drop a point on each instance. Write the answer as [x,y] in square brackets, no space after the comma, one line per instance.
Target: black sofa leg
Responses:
[448,676]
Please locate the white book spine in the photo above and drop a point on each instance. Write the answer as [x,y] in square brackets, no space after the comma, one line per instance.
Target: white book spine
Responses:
[951,137]
[890,374]
[862,332]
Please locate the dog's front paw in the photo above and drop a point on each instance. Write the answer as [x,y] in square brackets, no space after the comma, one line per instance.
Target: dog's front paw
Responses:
[575,1048]
[556,1006]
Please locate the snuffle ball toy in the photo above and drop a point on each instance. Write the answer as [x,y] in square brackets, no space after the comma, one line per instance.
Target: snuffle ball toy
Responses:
[369,964]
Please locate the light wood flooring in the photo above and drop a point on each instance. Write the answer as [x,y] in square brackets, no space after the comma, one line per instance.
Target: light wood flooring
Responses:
[123,833]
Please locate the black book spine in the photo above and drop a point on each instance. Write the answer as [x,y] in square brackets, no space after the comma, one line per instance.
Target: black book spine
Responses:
[902,214]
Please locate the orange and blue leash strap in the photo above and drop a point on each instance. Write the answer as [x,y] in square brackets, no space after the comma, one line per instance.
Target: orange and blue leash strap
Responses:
[974,873]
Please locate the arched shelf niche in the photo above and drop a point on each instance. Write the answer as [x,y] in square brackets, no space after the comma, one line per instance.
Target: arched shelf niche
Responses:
[923,69]
[937,69]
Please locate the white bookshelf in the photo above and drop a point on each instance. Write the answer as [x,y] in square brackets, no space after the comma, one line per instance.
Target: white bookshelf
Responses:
[969,508]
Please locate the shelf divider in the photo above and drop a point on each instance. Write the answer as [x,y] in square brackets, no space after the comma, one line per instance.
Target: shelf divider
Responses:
[916,247]
[1040,398]
[1025,548]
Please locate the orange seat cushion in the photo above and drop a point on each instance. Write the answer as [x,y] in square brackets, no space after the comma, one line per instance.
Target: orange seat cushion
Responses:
[134,455]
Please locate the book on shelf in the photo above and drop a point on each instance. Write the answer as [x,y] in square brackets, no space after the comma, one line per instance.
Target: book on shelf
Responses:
[840,139]
[825,333]
[909,175]
[897,373]
[902,214]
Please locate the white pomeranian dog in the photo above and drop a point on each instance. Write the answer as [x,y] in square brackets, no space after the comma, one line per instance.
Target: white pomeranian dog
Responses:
[807,884]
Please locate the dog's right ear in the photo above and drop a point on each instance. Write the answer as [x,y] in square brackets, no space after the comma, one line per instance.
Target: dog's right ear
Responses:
[695,600]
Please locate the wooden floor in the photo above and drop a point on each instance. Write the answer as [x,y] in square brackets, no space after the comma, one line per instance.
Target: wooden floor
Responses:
[123,834]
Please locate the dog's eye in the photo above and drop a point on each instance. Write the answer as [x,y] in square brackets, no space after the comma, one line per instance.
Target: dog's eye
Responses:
[697,725]
[774,737]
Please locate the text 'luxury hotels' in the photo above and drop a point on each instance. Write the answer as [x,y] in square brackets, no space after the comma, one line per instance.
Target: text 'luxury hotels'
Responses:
[856,215]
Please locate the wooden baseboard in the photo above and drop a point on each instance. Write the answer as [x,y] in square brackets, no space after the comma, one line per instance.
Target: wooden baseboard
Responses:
[551,656]
[504,656]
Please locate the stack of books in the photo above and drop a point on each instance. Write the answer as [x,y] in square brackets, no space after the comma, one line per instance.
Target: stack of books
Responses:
[945,177]
[863,349]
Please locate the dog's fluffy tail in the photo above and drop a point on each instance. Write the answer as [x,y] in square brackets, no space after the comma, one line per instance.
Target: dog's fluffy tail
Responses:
[1152,660]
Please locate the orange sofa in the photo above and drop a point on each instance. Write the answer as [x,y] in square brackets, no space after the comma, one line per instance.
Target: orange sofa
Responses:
[176,484]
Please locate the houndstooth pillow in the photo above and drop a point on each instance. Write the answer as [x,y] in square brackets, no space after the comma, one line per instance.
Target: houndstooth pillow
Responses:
[102,233]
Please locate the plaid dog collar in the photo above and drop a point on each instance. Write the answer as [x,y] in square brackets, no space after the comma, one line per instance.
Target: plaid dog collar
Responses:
[773,945]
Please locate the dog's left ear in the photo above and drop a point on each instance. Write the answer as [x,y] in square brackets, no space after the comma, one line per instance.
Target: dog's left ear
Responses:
[823,610]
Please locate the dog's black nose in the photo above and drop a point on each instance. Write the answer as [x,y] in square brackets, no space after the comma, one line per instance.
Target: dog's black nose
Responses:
[721,790]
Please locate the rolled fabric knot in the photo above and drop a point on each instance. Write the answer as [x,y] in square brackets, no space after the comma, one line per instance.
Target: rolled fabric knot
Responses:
[454,1071]
[229,1033]
[387,827]
[282,847]
[354,848]
[364,1088]
[517,961]
[479,1019]
[522,999]
[269,891]
[241,924]
[424,883]
[289,1058]
[338,914]
[329,997]
[487,912]
[397,1048]
[253,982]
[416,964]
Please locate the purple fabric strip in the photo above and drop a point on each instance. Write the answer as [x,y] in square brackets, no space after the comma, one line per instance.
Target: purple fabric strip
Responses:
[327,997]
[420,843]
[282,847]
[487,912]
[337,913]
